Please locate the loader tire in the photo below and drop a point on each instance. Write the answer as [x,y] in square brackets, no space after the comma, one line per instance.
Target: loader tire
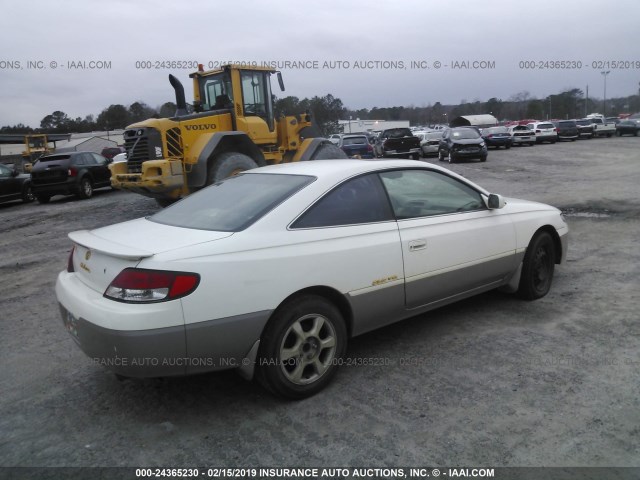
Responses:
[229,164]
[328,151]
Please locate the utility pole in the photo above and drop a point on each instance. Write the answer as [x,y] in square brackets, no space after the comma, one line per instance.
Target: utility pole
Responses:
[604,102]
[586,102]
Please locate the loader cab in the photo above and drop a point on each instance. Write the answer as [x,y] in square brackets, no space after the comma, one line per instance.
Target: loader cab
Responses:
[246,94]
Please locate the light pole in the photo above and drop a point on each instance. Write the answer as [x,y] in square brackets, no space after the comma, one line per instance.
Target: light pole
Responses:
[604,102]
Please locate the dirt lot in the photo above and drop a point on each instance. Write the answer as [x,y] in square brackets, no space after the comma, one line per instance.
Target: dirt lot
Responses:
[492,381]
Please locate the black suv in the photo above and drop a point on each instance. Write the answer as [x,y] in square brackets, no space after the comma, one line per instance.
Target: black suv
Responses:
[74,173]
[567,130]
[462,142]
[14,185]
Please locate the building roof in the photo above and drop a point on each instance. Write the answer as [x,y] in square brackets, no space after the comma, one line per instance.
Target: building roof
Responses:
[485,120]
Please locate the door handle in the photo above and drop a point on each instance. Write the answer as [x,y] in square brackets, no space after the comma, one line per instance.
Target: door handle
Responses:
[417,245]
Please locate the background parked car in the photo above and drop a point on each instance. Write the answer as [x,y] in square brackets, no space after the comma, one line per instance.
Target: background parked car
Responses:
[75,173]
[335,138]
[14,185]
[585,128]
[429,142]
[110,152]
[461,142]
[497,137]
[356,146]
[628,127]
[567,130]
[397,142]
[545,132]
[522,135]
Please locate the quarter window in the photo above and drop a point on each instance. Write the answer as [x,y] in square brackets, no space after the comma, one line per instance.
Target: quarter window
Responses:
[356,201]
[421,193]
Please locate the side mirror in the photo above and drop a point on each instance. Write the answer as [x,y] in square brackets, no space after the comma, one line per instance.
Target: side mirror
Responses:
[280,81]
[15,172]
[495,202]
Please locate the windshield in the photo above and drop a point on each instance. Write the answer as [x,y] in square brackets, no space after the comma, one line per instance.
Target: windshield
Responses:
[497,130]
[464,134]
[232,204]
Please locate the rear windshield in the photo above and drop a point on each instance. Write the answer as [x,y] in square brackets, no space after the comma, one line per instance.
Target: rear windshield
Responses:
[567,123]
[497,130]
[53,158]
[355,140]
[545,125]
[232,204]
[583,122]
[398,133]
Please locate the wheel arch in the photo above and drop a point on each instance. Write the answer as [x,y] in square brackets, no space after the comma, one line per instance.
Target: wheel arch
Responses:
[328,293]
[557,243]
[218,143]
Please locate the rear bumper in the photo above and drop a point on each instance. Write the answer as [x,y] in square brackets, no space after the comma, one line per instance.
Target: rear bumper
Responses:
[66,188]
[152,340]
[405,153]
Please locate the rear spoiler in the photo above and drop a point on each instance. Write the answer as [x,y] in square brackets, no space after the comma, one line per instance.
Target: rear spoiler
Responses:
[88,240]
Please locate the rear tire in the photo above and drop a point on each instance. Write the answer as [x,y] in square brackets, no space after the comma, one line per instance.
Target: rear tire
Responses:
[27,194]
[450,158]
[440,156]
[86,188]
[301,347]
[165,202]
[43,198]
[229,164]
[537,267]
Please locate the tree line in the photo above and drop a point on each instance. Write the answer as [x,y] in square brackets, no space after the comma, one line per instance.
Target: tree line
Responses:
[328,110]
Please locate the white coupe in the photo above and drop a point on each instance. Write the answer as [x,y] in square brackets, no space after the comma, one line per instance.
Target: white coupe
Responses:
[272,271]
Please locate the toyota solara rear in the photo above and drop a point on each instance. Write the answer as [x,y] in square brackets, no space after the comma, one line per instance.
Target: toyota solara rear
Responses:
[270,272]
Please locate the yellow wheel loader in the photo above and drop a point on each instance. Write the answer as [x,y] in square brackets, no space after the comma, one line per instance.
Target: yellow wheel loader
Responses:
[231,128]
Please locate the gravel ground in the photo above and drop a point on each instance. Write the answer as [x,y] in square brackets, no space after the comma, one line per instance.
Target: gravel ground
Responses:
[490,381]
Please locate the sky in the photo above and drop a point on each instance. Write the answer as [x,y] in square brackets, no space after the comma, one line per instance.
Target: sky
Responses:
[80,56]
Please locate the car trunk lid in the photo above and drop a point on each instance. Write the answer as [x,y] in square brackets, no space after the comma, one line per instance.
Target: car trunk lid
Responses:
[100,255]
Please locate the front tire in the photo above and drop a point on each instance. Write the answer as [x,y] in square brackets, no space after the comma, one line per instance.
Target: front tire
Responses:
[301,347]
[329,151]
[537,267]
[440,156]
[229,164]
[450,158]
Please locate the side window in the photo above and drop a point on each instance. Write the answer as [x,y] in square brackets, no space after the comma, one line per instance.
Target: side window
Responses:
[421,193]
[356,201]
[97,159]
[78,160]
[4,172]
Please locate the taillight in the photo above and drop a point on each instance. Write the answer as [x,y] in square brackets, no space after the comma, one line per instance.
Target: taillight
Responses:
[136,285]
[72,172]
[70,261]
[369,148]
